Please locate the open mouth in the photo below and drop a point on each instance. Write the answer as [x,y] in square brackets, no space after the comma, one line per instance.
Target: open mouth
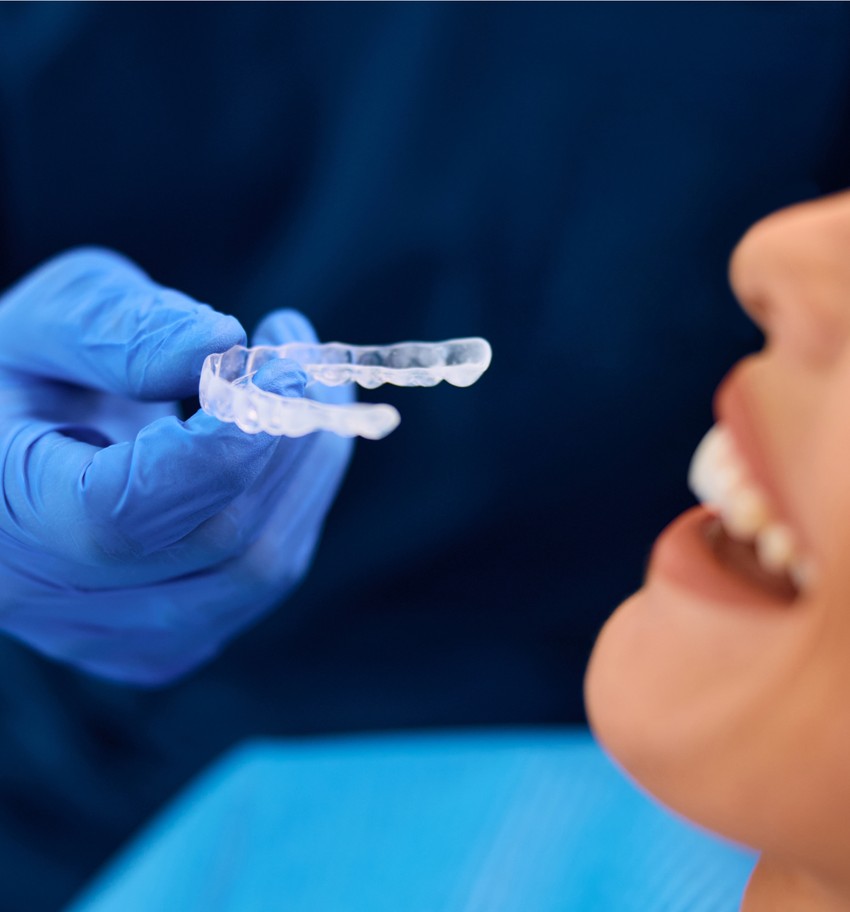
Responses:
[747,535]
[733,549]
[742,558]
[696,553]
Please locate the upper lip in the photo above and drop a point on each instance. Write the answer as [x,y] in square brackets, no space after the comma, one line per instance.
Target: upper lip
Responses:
[735,410]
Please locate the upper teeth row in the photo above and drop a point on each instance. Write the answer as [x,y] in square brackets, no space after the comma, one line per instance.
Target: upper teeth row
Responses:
[721,481]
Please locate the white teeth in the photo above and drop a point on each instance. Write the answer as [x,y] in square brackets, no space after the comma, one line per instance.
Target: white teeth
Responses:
[747,512]
[803,574]
[775,547]
[707,464]
[720,479]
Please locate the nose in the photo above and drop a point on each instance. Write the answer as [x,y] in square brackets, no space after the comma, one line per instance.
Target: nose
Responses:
[791,273]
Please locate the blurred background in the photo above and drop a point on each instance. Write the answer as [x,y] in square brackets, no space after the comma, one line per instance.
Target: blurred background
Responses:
[566,180]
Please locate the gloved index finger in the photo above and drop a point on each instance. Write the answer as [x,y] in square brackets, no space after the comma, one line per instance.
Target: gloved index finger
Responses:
[93,318]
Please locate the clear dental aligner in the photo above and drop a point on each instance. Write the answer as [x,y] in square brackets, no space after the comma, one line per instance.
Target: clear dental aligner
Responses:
[228,393]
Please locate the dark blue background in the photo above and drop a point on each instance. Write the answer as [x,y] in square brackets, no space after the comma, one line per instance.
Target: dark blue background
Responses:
[567,181]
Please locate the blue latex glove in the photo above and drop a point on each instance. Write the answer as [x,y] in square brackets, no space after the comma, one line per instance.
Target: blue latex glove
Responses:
[133,544]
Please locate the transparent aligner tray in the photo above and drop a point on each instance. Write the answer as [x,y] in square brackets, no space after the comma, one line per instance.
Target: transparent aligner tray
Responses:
[228,393]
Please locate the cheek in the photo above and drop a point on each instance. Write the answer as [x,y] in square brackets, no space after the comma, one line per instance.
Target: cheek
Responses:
[825,490]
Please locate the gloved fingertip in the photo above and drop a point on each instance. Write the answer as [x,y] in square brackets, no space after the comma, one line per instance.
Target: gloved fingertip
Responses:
[164,359]
[283,377]
[282,326]
[186,321]
[217,331]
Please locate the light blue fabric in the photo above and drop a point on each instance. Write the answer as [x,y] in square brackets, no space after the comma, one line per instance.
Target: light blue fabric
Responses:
[506,822]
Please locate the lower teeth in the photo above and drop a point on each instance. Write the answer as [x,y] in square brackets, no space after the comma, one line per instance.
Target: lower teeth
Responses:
[740,558]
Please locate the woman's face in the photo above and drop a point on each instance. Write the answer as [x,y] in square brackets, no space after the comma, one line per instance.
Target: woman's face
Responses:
[722,686]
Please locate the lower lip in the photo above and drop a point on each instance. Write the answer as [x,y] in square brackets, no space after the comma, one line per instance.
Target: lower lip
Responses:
[683,555]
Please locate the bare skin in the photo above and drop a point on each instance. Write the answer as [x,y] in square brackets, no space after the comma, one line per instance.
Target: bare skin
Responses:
[780,887]
[726,694]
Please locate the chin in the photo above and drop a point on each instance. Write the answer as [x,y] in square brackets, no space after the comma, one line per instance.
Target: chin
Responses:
[687,662]
[645,713]
[655,697]
[622,712]
[673,688]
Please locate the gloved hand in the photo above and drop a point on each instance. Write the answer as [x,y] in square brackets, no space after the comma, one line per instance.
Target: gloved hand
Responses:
[133,544]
